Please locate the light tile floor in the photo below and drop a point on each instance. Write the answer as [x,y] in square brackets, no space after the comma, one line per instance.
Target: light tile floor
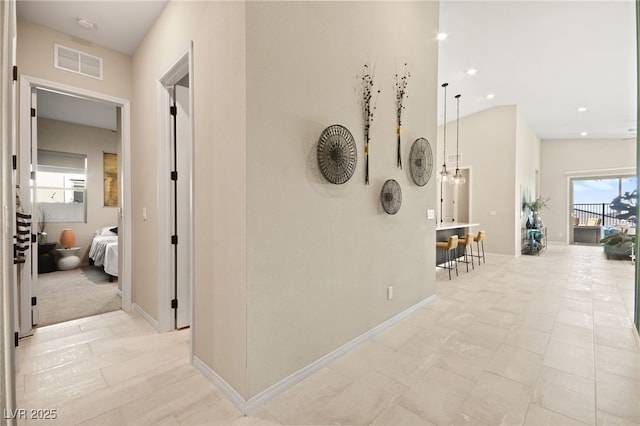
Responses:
[534,340]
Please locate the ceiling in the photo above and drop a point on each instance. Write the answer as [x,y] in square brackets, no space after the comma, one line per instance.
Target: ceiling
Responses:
[547,57]
[119,24]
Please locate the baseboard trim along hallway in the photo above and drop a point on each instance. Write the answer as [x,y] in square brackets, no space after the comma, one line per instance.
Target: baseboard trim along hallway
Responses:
[250,405]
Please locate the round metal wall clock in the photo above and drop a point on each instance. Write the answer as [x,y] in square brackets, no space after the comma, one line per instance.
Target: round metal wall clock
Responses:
[391,196]
[421,161]
[337,154]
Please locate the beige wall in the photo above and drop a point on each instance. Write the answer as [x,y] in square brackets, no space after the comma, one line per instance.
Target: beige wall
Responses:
[320,256]
[262,210]
[502,152]
[218,33]
[567,158]
[489,149]
[35,58]
[91,141]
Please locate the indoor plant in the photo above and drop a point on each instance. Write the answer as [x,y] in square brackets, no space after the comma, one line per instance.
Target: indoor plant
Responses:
[535,206]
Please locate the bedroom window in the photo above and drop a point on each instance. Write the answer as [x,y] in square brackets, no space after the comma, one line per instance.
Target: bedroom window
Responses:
[61,186]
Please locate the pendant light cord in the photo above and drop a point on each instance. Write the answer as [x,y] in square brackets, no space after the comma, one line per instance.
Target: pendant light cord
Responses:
[458,133]
[444,157]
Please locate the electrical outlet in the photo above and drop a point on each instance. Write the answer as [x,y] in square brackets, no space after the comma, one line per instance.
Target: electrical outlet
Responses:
[389,293]
[431,214]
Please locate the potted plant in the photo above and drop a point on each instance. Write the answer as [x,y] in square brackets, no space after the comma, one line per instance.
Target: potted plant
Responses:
[618,241]
[535,206]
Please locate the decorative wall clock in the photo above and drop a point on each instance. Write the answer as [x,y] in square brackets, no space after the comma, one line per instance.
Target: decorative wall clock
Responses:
[421,161]
[391,196]
[337,155]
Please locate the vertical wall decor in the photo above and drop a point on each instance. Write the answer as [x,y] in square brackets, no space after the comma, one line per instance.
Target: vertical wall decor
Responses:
[110,178]
[401,87]
[368,92]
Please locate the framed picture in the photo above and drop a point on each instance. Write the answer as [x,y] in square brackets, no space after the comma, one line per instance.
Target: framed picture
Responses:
[110,177]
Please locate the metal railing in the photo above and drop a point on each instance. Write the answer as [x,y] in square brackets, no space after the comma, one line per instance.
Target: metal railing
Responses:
[601,211]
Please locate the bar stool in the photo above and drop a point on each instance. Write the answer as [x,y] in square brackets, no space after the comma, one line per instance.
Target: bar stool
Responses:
[465,242]
[448,246]
[479,239]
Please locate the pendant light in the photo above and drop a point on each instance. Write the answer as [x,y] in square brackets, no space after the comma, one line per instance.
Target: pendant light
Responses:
[458,178]
[444,175]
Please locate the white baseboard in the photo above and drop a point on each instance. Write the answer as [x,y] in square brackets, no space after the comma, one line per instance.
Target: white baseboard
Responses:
[247,406]
[147,317]
[224,387]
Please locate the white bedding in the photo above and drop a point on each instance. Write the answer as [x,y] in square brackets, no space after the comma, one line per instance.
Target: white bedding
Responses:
[99,247]
[111,259]
[104,250]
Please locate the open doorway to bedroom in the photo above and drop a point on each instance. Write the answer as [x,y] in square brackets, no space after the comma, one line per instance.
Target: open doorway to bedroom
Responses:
[77,144]
[71,167]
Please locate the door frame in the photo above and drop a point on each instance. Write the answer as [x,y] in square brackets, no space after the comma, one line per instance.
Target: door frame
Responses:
[8,122]
[182,65]
[587,175]
[27,83]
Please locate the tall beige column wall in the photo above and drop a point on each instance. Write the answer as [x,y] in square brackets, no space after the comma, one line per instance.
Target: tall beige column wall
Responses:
[321,256]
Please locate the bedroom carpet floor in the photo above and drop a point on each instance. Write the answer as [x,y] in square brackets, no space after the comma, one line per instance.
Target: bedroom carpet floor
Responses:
[78,293]
[534,340]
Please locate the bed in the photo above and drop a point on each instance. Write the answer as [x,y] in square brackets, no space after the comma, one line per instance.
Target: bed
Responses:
[104,250]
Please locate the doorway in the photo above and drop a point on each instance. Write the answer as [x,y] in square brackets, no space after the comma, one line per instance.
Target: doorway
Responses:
[28,148]
[175,199]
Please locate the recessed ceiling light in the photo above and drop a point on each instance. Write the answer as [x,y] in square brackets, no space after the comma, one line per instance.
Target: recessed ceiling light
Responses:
[491,96]
[442,36]
[85,23]
[583,133]
[582,109]
[472,71]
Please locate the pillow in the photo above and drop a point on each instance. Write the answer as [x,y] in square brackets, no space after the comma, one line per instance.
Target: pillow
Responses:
[103,232]
[114,230]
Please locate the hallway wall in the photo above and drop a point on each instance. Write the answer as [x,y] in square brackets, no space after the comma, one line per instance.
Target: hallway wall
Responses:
[321,256]
[217,30]
[268,78]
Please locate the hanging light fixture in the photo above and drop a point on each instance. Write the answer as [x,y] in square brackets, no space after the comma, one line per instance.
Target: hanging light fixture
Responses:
[458,178]
[444,175]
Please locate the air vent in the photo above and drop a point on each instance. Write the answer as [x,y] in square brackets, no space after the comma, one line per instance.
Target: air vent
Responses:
[77,62]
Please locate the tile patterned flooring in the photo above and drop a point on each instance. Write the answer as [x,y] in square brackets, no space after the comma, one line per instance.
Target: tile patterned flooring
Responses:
[532,340]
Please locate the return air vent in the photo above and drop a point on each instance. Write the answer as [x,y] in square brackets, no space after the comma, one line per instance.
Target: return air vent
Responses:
[77,62]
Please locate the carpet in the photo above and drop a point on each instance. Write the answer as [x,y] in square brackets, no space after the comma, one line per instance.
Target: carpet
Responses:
[79,293]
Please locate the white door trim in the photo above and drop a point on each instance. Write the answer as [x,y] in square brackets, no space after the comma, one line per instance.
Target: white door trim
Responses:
[26,84]
[175,72]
